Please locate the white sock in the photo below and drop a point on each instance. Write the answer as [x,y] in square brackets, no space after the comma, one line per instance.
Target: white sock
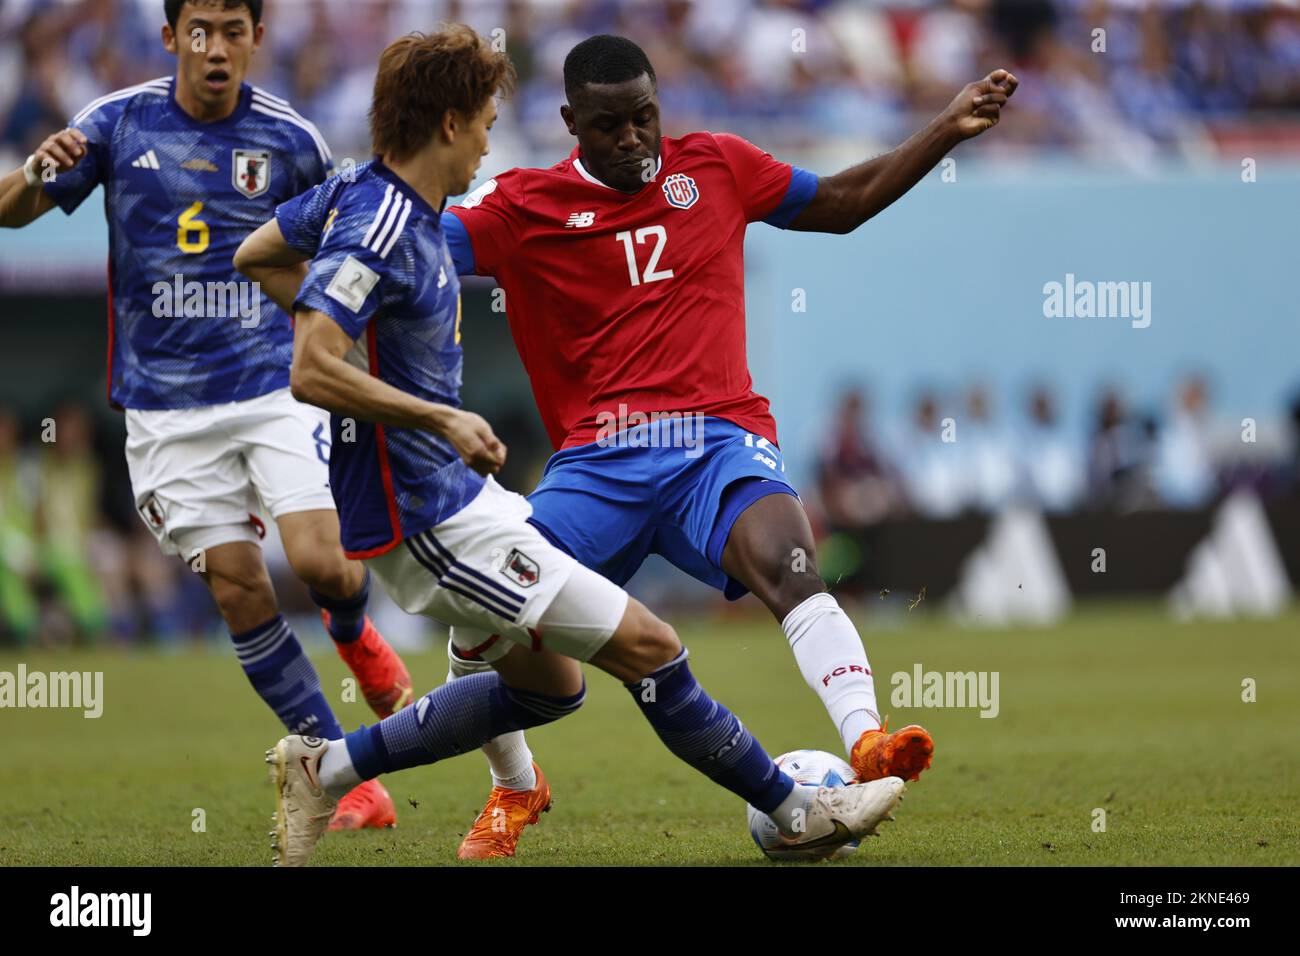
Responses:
[833,661]
[337,775]
[791,815]
[508,756]
[511,761]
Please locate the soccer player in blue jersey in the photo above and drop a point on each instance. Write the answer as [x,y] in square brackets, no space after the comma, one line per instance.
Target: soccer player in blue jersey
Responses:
[377,341]
[199,359]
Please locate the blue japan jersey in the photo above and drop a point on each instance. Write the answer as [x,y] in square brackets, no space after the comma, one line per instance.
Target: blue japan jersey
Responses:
[186,330]
[382,271]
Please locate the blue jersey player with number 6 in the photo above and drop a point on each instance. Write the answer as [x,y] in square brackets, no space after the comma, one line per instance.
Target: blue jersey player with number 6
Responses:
[199,359]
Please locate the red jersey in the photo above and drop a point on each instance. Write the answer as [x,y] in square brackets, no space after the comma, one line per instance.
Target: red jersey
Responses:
[630,303]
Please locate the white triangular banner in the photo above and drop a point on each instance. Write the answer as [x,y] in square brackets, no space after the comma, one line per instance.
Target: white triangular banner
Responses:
[1237,569]
[1014,576]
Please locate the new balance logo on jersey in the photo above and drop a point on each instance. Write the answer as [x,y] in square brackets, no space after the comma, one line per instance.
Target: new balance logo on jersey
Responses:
[442,276]
[580,220]
[147,161]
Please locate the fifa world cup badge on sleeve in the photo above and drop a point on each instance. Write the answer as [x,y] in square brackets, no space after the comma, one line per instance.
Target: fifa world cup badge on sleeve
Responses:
[352,283]
[478,195]
[251,171]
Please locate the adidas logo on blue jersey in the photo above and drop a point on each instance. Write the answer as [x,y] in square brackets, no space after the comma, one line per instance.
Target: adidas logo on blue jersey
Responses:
[382,236]
[147,161]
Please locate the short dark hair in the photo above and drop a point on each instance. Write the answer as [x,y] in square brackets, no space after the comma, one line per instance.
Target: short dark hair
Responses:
[421,77]
[604,59]
[173,8]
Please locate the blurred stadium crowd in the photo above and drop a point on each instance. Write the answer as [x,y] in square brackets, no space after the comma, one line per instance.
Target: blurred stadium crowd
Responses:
[77,563]
[1168,76]
[957,455]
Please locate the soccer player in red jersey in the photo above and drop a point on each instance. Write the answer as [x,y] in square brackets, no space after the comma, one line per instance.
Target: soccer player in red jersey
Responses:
[623,269]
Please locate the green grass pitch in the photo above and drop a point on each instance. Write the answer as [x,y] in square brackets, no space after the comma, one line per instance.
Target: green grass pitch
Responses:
[1119,709]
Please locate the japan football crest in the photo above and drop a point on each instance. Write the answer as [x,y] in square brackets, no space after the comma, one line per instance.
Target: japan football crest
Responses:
[251,171]
[680,191]
[521,569]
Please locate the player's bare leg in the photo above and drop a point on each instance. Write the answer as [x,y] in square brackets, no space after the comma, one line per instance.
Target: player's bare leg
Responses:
[238,580]
[278,669]
[340,587]
[771,551]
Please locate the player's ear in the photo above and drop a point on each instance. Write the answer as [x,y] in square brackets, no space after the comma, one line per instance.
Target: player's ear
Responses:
[168,38]
[257,35]
[566,114]
[449,126]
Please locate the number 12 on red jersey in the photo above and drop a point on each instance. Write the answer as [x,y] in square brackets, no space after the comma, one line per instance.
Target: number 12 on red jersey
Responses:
[652,272]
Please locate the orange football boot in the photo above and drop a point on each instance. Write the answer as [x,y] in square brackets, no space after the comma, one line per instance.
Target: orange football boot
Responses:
[365,806]
[385,682]
[904,753]
[498,827]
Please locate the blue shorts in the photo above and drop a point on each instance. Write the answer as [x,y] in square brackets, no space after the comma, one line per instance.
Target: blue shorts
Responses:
[668,488]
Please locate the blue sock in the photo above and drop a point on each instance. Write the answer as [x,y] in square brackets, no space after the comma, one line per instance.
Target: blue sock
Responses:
[460,716]
[347,615]
[281,673]
[707,736]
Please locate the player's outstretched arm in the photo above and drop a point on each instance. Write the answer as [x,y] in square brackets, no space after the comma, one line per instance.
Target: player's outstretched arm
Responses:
[320,376]
[848,199]
[22,199]
[273,264]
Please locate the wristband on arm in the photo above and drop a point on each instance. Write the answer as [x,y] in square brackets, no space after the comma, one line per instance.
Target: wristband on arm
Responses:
[30,172]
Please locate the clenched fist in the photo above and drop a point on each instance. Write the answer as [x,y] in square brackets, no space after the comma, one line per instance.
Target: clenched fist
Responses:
[979,106]
[63,150]
[474,440]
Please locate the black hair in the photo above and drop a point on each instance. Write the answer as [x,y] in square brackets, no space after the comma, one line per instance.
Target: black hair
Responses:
[604,59]
[173,9]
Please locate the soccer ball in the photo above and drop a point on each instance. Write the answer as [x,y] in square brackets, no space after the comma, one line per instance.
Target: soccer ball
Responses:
[809,768]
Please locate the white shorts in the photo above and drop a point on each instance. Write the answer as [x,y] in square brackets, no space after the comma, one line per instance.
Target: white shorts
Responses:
[198,473]
[491,575]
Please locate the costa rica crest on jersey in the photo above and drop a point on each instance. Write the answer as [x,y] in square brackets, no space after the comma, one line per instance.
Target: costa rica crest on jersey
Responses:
[680,191]
[251,171]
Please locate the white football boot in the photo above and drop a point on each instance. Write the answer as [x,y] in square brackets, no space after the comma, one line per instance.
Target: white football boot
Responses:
[302,807]
[838,815]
